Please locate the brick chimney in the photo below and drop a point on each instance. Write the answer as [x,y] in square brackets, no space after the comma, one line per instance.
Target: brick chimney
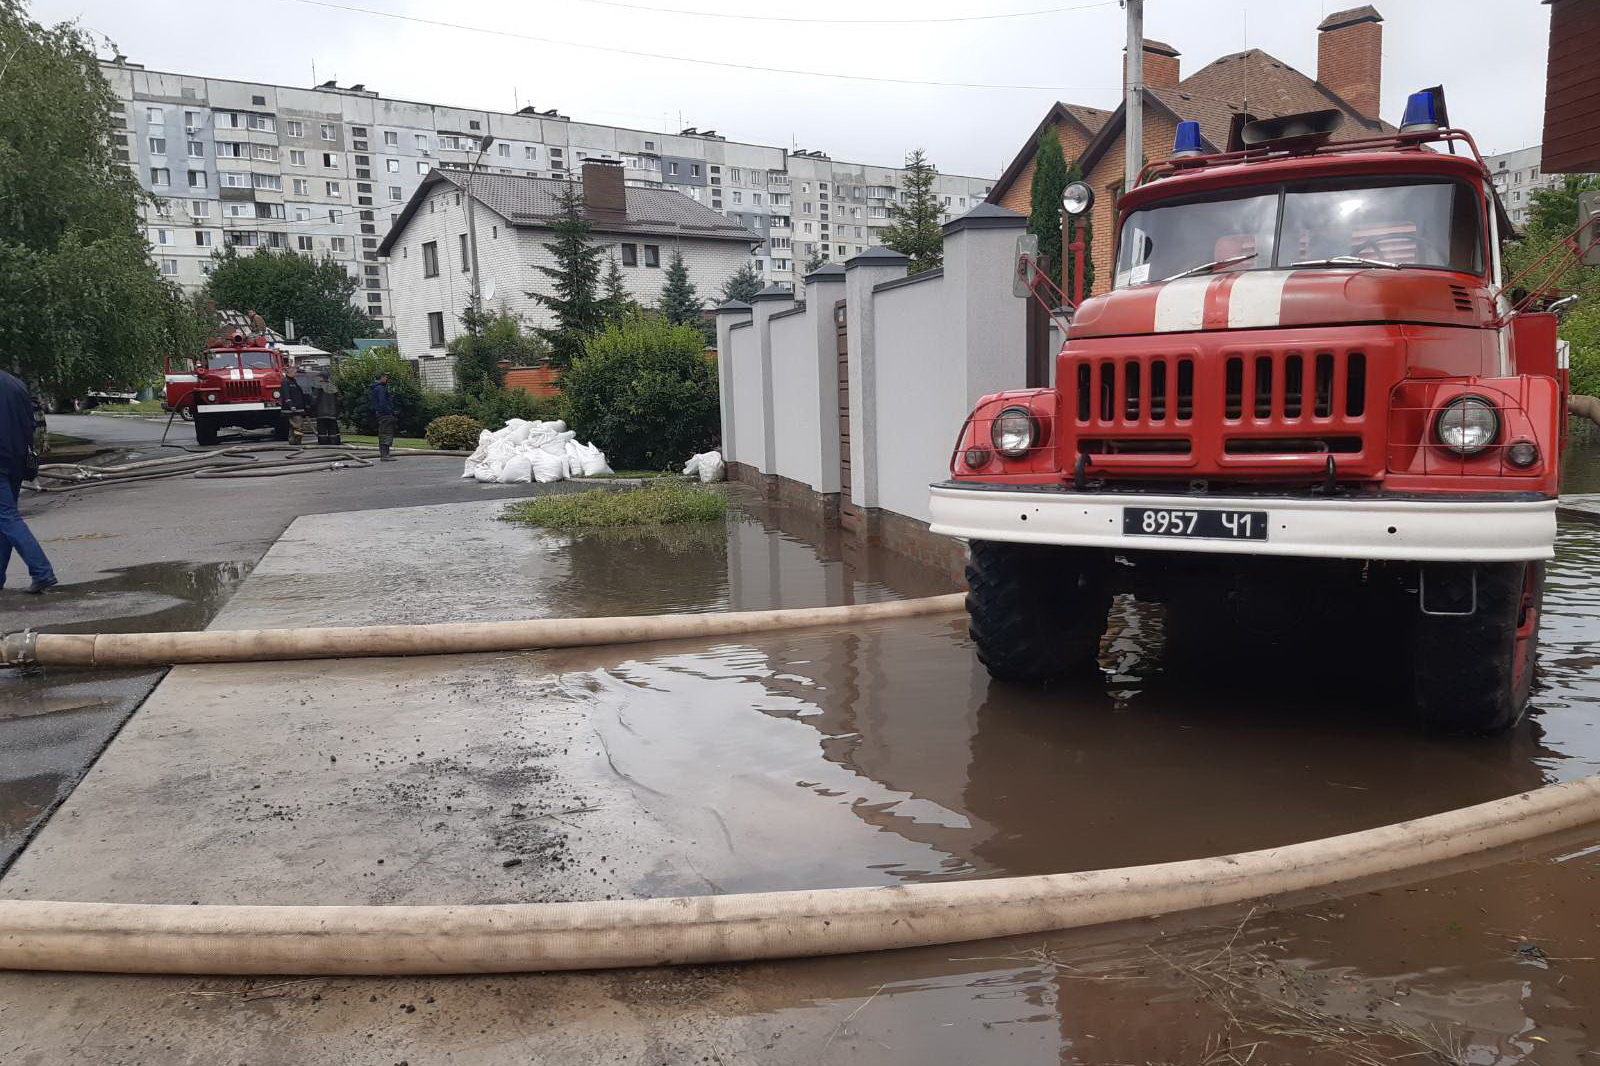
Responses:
[1350,56]
[603,191]
[1160,66]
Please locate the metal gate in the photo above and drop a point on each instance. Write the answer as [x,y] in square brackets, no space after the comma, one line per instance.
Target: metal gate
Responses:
[849,513]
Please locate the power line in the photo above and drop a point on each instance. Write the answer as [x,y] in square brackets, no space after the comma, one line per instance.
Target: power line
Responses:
[850,21]
[689,59]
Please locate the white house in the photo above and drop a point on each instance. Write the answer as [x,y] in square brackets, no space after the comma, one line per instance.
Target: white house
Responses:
[430,255]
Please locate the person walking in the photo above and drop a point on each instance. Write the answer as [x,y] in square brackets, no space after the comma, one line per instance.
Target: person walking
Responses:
[294,404]
[18,463]
[382,405]
[325,404]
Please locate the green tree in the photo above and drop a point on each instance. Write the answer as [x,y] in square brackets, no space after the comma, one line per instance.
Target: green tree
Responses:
[645,393]
[283,287]
[680,304]
[916,230]
[1049,179]
[81,304]
[616,298]
[575,283]
[1552,216]
[489,337]
[816,262]
[1082,228]
[742,284]
[354,374]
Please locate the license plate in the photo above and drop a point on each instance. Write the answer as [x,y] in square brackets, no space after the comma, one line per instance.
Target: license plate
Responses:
[1193,522]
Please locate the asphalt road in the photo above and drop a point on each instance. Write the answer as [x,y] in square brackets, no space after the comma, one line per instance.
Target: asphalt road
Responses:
[156,555]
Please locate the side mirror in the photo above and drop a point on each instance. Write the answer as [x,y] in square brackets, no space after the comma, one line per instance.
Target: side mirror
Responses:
[1026,264]
[1589,227]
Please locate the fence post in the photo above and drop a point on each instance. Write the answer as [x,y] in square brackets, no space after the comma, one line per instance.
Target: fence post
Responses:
[728,315]
[825,287]
[872,267]
[763,305]
[988,324]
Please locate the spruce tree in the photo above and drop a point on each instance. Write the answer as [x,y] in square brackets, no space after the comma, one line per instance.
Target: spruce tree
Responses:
[575,280]
[1049,179]
[1082,228]
[816,262]
[742,285]
[616,299]
[916,230]
[680,304]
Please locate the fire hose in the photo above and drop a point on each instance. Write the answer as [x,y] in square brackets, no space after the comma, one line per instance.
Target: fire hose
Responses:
[1585,407]
[524,937]
[236,461]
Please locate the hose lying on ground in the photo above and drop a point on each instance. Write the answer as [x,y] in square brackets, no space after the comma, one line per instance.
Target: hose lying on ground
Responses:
[521,937]
[449,638]
[236,461]
[1585,407]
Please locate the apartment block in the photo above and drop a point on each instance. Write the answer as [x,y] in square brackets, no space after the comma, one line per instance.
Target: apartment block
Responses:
[1517,176]
[327,170]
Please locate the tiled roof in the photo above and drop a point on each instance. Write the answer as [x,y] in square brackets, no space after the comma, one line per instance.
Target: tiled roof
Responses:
[523,200]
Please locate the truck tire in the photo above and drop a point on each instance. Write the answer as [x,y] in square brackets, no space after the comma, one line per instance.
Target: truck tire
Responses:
[1036,611]
[1471,673]
[205,429]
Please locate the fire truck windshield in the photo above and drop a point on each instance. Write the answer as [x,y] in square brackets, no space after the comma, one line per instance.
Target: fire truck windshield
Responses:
[257,358]
[222,361]
[1351,224]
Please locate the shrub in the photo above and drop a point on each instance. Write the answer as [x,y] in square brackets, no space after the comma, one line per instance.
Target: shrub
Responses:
[659,503]
[454,431]
[645,393]
[438,404]
[493,406]
[354,374]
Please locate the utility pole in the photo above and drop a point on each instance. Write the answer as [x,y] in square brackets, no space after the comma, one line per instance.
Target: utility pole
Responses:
[472,231]
[1133,102]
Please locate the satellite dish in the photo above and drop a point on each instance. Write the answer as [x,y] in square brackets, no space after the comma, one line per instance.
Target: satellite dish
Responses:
[488,294]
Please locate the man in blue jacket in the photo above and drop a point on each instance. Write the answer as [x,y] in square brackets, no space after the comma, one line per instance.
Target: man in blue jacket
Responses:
[16,466]
[382,405]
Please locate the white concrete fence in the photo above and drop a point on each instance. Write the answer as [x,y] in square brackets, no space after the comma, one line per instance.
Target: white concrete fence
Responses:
[921,350]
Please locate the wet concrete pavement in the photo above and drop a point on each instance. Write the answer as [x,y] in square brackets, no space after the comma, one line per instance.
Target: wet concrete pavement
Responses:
[872,756]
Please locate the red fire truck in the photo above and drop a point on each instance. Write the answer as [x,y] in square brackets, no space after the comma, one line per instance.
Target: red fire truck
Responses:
[1307,382]
[236,381]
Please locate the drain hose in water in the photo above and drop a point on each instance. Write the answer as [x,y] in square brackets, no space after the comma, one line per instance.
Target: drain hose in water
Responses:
[450,638]
[523,937]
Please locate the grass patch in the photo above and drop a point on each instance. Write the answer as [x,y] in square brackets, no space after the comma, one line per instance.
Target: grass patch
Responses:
[632,474]
[662,503]
[63,440]
[137,407]
[372,442]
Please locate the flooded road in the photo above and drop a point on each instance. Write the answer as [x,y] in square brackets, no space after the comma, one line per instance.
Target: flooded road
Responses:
[884,755]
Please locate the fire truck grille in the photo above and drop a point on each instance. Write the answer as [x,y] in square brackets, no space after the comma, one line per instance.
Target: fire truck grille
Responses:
[1291,385]
[239,391]
[1154,388]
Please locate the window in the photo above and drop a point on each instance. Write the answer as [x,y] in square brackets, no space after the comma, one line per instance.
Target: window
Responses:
[738,197]
[1533,175]
[736,175]
[504,149]
[530,151]
[158,146]
[333,188]
[630,255]
[202,238]
[672,168]
[649,146]
[422,142]
[435,328]
[197,179]
[264,123]
[197,149]
[163,236]
[466,259]
[302,243]
[395,193]
[392,165]
[822,186]
[302,214]
[330,161]
[805,227]
[301,187]
[239,210]
[235,179]
[206,267]
[336,243]
[494,233]
[259,101]
[335,217]
[961,201]
[430,259]
[329,132]
[694,170]
[267,181]
[169,267]
[422,167]
[755,199]
[652,255]
[160,177]
[269,210]
[154,116]
[805,186]
[199,209]
[230,150]
[391,139]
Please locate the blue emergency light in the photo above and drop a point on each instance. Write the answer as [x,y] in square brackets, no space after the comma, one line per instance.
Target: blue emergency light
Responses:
[1421,114]
[1187,141]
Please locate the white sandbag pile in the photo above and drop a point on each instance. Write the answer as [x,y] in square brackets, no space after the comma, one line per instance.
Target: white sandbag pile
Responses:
[532,451]
[707,466]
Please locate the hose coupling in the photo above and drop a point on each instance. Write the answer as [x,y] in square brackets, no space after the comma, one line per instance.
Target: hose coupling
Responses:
[17,649]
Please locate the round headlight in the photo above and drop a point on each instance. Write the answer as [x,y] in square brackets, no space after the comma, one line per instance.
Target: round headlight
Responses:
[1013,432]
[1076,198]
[1522,454]
[977,457]
[1468,425]
[276,394]
[211,397]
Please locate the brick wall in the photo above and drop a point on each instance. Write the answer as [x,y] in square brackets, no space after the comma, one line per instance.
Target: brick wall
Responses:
[1350,61]
[1106,177]
[1019,197]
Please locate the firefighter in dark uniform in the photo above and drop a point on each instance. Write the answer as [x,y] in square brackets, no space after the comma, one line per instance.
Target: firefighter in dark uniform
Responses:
[294,404]
[325,405]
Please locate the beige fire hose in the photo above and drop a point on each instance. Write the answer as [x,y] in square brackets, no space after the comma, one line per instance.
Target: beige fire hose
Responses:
[28,648]
[1585,407]
[522,937]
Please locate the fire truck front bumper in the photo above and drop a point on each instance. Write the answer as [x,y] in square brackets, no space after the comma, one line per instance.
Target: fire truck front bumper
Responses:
[1432,530]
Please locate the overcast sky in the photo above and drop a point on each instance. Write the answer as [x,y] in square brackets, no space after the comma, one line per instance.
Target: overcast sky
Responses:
[1488,53]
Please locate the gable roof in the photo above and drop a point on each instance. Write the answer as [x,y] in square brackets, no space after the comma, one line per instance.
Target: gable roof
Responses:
[535,203]
[1086,118]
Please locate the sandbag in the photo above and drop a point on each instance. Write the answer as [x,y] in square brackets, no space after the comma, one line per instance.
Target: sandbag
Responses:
[517,471]
[548,467]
